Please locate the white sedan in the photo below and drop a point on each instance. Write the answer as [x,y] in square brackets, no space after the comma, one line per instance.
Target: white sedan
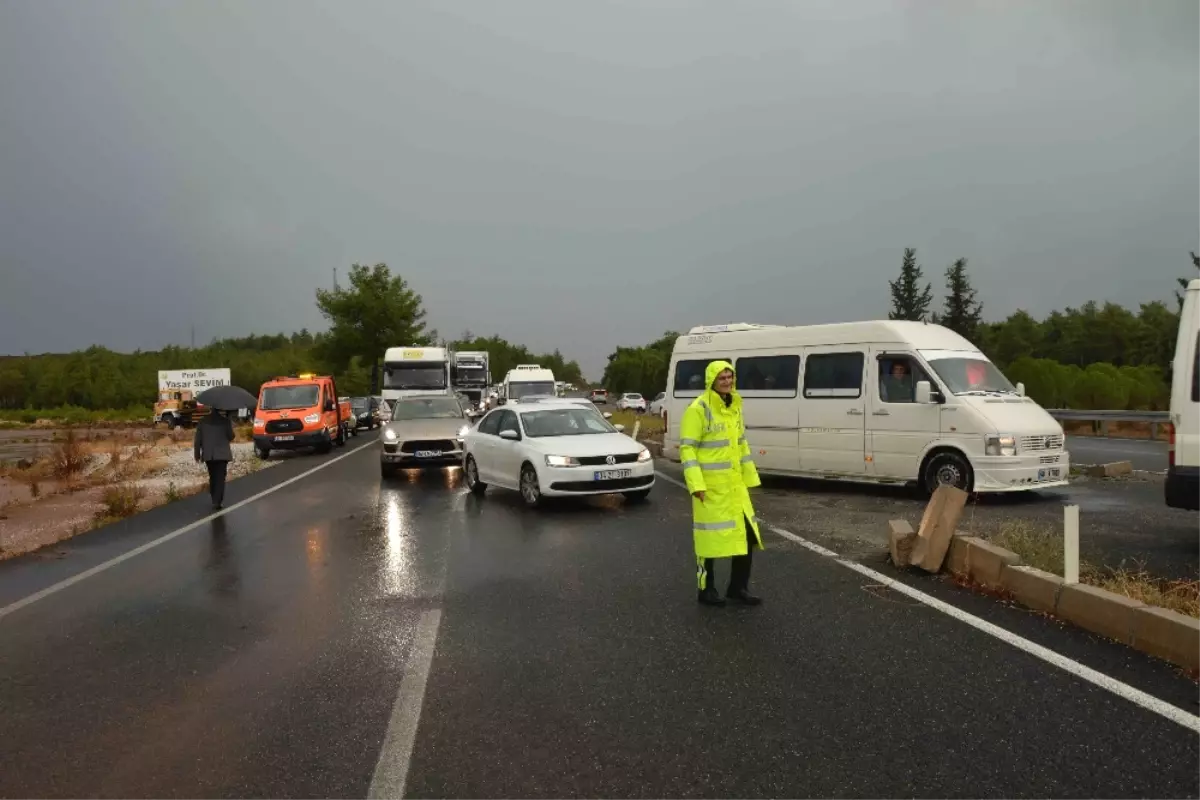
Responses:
[631,401]
[555,448]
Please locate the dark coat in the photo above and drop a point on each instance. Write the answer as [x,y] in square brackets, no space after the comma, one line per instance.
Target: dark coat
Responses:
[213,435]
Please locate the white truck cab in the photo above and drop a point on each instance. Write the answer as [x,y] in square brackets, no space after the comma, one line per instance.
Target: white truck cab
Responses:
[415,372]
[1183,459]
[890,402]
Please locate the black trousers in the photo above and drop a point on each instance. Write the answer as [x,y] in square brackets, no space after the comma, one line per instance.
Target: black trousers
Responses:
[739,568]
[216,480]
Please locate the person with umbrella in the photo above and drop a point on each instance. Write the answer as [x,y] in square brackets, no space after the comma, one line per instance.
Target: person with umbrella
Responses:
[214,434]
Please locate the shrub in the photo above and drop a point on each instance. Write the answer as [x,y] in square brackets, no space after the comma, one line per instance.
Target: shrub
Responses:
[120,501]
[70,457]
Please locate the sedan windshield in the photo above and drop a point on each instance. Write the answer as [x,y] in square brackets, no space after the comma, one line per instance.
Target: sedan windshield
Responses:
[275,398]
[565,422]
[427,408]
[971,376]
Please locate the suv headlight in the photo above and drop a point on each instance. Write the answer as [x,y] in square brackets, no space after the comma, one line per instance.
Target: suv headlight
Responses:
[463,431]
[312,419]
[561,461]
[644,455]
[1001,446]
[389,434]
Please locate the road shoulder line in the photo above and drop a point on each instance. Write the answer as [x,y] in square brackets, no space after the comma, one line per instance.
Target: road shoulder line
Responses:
[112,562]
[395,756]
[1094,677]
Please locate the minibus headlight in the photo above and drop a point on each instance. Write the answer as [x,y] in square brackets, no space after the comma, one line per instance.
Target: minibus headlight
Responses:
[1001,446]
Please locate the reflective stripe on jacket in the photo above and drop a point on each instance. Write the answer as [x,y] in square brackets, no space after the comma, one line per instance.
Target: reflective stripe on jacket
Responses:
[716,460]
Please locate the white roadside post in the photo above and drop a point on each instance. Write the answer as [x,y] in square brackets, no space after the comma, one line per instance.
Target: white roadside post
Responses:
[636,426]
[1070,544]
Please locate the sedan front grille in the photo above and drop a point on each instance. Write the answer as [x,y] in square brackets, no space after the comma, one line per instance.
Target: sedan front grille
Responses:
[596,461]
[1051,442]
[445,445]
[284,426]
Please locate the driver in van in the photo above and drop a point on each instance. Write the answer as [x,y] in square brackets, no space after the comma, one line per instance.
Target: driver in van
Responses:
[897,386]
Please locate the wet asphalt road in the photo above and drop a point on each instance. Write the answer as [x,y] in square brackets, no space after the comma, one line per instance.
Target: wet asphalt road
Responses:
[1143,454]
[261,654]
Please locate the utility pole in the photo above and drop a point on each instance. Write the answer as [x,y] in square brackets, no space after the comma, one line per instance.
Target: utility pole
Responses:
[335,286]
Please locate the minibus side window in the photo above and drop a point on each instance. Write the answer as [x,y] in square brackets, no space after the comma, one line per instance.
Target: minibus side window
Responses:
[898,377]
[834,375]
[768,374]
[1196,371]
[689,375]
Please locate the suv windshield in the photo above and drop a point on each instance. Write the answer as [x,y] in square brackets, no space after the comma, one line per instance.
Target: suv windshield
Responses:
[971,375]
[275,398]
[427,408]
[414,376]
[530,388]
[565,422]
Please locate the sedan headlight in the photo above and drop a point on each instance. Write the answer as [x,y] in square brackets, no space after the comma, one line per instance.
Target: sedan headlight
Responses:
[561,461]
[644,455]
[1001,446]
[312,419]
[389,434]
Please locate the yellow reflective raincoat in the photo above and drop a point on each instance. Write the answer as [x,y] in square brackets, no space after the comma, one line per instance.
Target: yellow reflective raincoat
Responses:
[716,461]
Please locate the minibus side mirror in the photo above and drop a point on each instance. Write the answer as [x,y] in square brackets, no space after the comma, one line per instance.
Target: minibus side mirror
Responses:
[926,393]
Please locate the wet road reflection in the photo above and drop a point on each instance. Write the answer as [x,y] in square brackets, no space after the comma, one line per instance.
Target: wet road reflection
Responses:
[220,565]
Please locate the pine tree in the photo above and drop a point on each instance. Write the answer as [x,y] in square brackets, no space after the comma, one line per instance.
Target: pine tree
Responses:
[961,312]
[909,301]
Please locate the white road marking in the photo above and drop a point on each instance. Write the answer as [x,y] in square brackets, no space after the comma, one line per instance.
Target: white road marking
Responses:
[395,757]
[1094,677]
[137,551]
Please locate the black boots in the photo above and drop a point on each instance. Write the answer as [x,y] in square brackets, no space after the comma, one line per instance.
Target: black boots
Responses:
[710,597]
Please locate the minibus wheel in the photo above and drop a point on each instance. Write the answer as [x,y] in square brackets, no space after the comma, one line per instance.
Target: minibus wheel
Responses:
[947,468]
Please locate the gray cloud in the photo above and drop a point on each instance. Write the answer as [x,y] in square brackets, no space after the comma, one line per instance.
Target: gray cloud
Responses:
[583,174]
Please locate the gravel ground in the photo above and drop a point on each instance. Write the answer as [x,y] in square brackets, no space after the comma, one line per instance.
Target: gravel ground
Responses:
[1121,519]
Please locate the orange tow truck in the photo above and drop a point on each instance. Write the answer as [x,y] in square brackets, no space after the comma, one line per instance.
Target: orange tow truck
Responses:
[300,411]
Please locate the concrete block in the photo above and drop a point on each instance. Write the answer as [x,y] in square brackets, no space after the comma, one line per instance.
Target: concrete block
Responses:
[956,556]
[937,528]
[1032,587]
[1168,635]
[1114,469]
[986,562]
[1099,611]
[900,541]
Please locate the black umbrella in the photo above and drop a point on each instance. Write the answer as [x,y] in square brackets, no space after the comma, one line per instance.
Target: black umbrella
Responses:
[227,398]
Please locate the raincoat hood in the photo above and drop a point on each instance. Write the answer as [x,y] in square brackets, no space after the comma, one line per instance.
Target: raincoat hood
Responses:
[714,369]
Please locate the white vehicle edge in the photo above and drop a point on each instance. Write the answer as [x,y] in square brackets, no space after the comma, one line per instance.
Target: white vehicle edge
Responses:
[1182,488]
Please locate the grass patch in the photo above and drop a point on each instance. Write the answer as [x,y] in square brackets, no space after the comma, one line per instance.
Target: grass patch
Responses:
[651,424]
[1042,548]
[120,501]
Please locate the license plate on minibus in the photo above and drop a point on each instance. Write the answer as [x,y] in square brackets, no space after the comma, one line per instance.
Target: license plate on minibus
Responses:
[612,474]
[1049,474]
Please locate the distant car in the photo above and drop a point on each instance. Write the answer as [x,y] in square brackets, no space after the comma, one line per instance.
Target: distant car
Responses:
[599,396]
[366,413]
[631,401]
[555,448]
[423,432]
[659,404]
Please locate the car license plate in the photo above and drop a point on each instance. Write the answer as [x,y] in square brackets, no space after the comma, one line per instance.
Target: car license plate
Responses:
[428,453]
[284,438]
[1049,474]
[610,474]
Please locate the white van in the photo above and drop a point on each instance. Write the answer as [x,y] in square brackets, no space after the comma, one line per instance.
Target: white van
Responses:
[527,380]
[1183,460]
[884,402]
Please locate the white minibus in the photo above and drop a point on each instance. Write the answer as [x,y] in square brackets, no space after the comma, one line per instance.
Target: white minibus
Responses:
[888,402]
[1183,459]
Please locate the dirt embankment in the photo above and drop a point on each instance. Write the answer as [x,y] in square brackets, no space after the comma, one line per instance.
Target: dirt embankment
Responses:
[76,482]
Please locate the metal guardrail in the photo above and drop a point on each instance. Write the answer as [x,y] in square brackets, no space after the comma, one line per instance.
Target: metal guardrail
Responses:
[1110,416]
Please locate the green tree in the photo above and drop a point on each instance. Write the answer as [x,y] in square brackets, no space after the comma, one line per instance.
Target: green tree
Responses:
[376,311]
[961,313]
[909,300]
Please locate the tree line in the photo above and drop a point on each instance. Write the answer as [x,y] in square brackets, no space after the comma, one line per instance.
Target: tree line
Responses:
[1096,356]
[378,309]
